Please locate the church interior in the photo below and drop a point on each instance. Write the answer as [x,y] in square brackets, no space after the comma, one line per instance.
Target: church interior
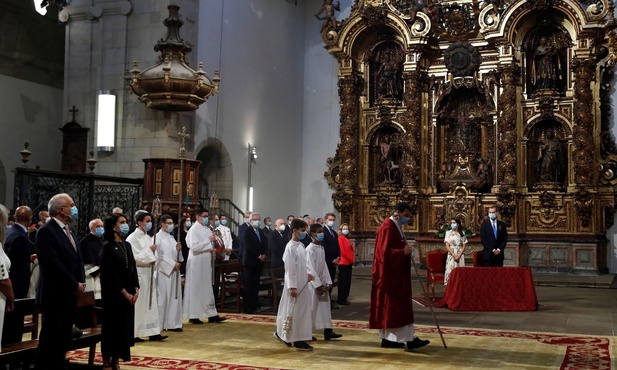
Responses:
[305,107]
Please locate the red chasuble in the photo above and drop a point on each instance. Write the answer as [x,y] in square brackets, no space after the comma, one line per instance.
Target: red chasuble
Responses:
[391,300]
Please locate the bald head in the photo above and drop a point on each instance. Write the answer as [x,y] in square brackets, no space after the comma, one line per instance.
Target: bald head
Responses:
[23,215]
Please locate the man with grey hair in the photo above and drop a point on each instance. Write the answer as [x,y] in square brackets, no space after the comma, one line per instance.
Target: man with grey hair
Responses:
[117,211]
[61,281]
[91,246]
[255,244]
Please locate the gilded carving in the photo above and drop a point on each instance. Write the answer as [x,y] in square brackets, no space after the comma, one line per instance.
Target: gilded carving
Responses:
[506,202]
[410,168]
[350,88]
[506,171]
[583,203]
[507,117]
[455,21]
[583,129]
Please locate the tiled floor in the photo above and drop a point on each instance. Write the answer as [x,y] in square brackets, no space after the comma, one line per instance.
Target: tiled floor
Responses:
[565,307]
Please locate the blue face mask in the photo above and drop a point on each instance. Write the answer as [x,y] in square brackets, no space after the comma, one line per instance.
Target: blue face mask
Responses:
[204,221]
[217,223]
[345,232]
[8,227]
[124,229]
[453,226]
[492,216]
[302,235]
[319,237]
[74,213]
[148,226]
[188,224]
[170,228]
[224,222]
[404,220]
[99,231]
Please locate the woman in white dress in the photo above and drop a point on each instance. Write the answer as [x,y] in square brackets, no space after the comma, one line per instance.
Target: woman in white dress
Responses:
[7,299]
[455,244]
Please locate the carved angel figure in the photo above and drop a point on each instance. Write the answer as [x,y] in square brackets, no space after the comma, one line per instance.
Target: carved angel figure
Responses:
[329,21]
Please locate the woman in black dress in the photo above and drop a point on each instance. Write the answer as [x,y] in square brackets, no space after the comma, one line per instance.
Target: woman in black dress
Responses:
[119,291]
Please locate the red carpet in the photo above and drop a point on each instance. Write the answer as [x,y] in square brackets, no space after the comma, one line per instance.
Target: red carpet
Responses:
[582,352]
[424,303]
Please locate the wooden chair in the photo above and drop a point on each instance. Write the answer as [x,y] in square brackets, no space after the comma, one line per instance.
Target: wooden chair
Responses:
[478,258]
[231,283]
[89,325]
[31,316]
[277,274]
[435,269]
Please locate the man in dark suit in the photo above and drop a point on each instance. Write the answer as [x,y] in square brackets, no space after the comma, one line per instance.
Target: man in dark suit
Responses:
[19,249]
[494,237]
[267,226]
[277,240]
[331,248]
[61,281]
[241,229]
[254,243]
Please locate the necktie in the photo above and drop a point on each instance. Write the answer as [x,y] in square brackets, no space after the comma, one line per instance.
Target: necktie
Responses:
[257,232]
[68,235]
[495,229]
[331,232]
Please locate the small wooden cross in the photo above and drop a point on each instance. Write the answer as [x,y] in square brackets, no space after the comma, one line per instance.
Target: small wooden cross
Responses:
[74,110]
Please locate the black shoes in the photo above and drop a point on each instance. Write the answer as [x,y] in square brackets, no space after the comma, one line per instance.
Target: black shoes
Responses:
[390,344]
[158,338]
[195,321]
[333,306]
[302,346]
[417,343]
[138,340]
[281,340]
[344,303]
[216,318]
[330,334]
[177,330]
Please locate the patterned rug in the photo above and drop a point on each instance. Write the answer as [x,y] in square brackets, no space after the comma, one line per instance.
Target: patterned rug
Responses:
[246,342]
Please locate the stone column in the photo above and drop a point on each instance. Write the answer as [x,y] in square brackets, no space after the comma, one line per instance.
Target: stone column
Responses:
[506,125]
[584,73]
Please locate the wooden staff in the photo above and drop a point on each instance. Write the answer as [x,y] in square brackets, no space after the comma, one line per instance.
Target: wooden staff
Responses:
[156,213]
[430,304]
[182,135]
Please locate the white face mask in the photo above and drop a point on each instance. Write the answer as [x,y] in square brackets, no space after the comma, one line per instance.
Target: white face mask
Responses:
[282,227]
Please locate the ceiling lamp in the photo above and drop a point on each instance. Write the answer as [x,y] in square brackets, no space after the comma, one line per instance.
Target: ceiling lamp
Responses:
[172,85]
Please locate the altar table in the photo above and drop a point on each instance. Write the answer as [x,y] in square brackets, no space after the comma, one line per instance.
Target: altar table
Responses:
[490,289]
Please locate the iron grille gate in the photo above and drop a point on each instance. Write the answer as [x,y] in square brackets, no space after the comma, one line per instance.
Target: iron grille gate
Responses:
[94,195]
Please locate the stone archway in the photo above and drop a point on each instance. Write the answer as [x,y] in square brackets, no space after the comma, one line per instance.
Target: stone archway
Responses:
[215,170]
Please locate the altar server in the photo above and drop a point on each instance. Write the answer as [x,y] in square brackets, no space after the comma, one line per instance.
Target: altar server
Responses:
[294,324]
[320,285]
[146,307]
[198,294]
[169,260]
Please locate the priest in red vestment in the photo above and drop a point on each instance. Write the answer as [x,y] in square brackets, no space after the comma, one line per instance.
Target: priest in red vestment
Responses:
[391,300]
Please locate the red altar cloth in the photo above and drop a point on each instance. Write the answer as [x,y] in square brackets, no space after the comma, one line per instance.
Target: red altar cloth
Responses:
[490,289]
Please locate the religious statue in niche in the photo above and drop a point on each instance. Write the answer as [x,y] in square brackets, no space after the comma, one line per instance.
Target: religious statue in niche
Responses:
[329,20]
[550,162]
[546,68]
[389,157]
[546,50]
[389,81]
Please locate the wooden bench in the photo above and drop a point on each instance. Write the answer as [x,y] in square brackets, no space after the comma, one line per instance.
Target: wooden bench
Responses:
[25,352]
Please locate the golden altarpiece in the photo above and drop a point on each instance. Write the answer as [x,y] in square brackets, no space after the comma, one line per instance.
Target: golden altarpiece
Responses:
[453,106]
